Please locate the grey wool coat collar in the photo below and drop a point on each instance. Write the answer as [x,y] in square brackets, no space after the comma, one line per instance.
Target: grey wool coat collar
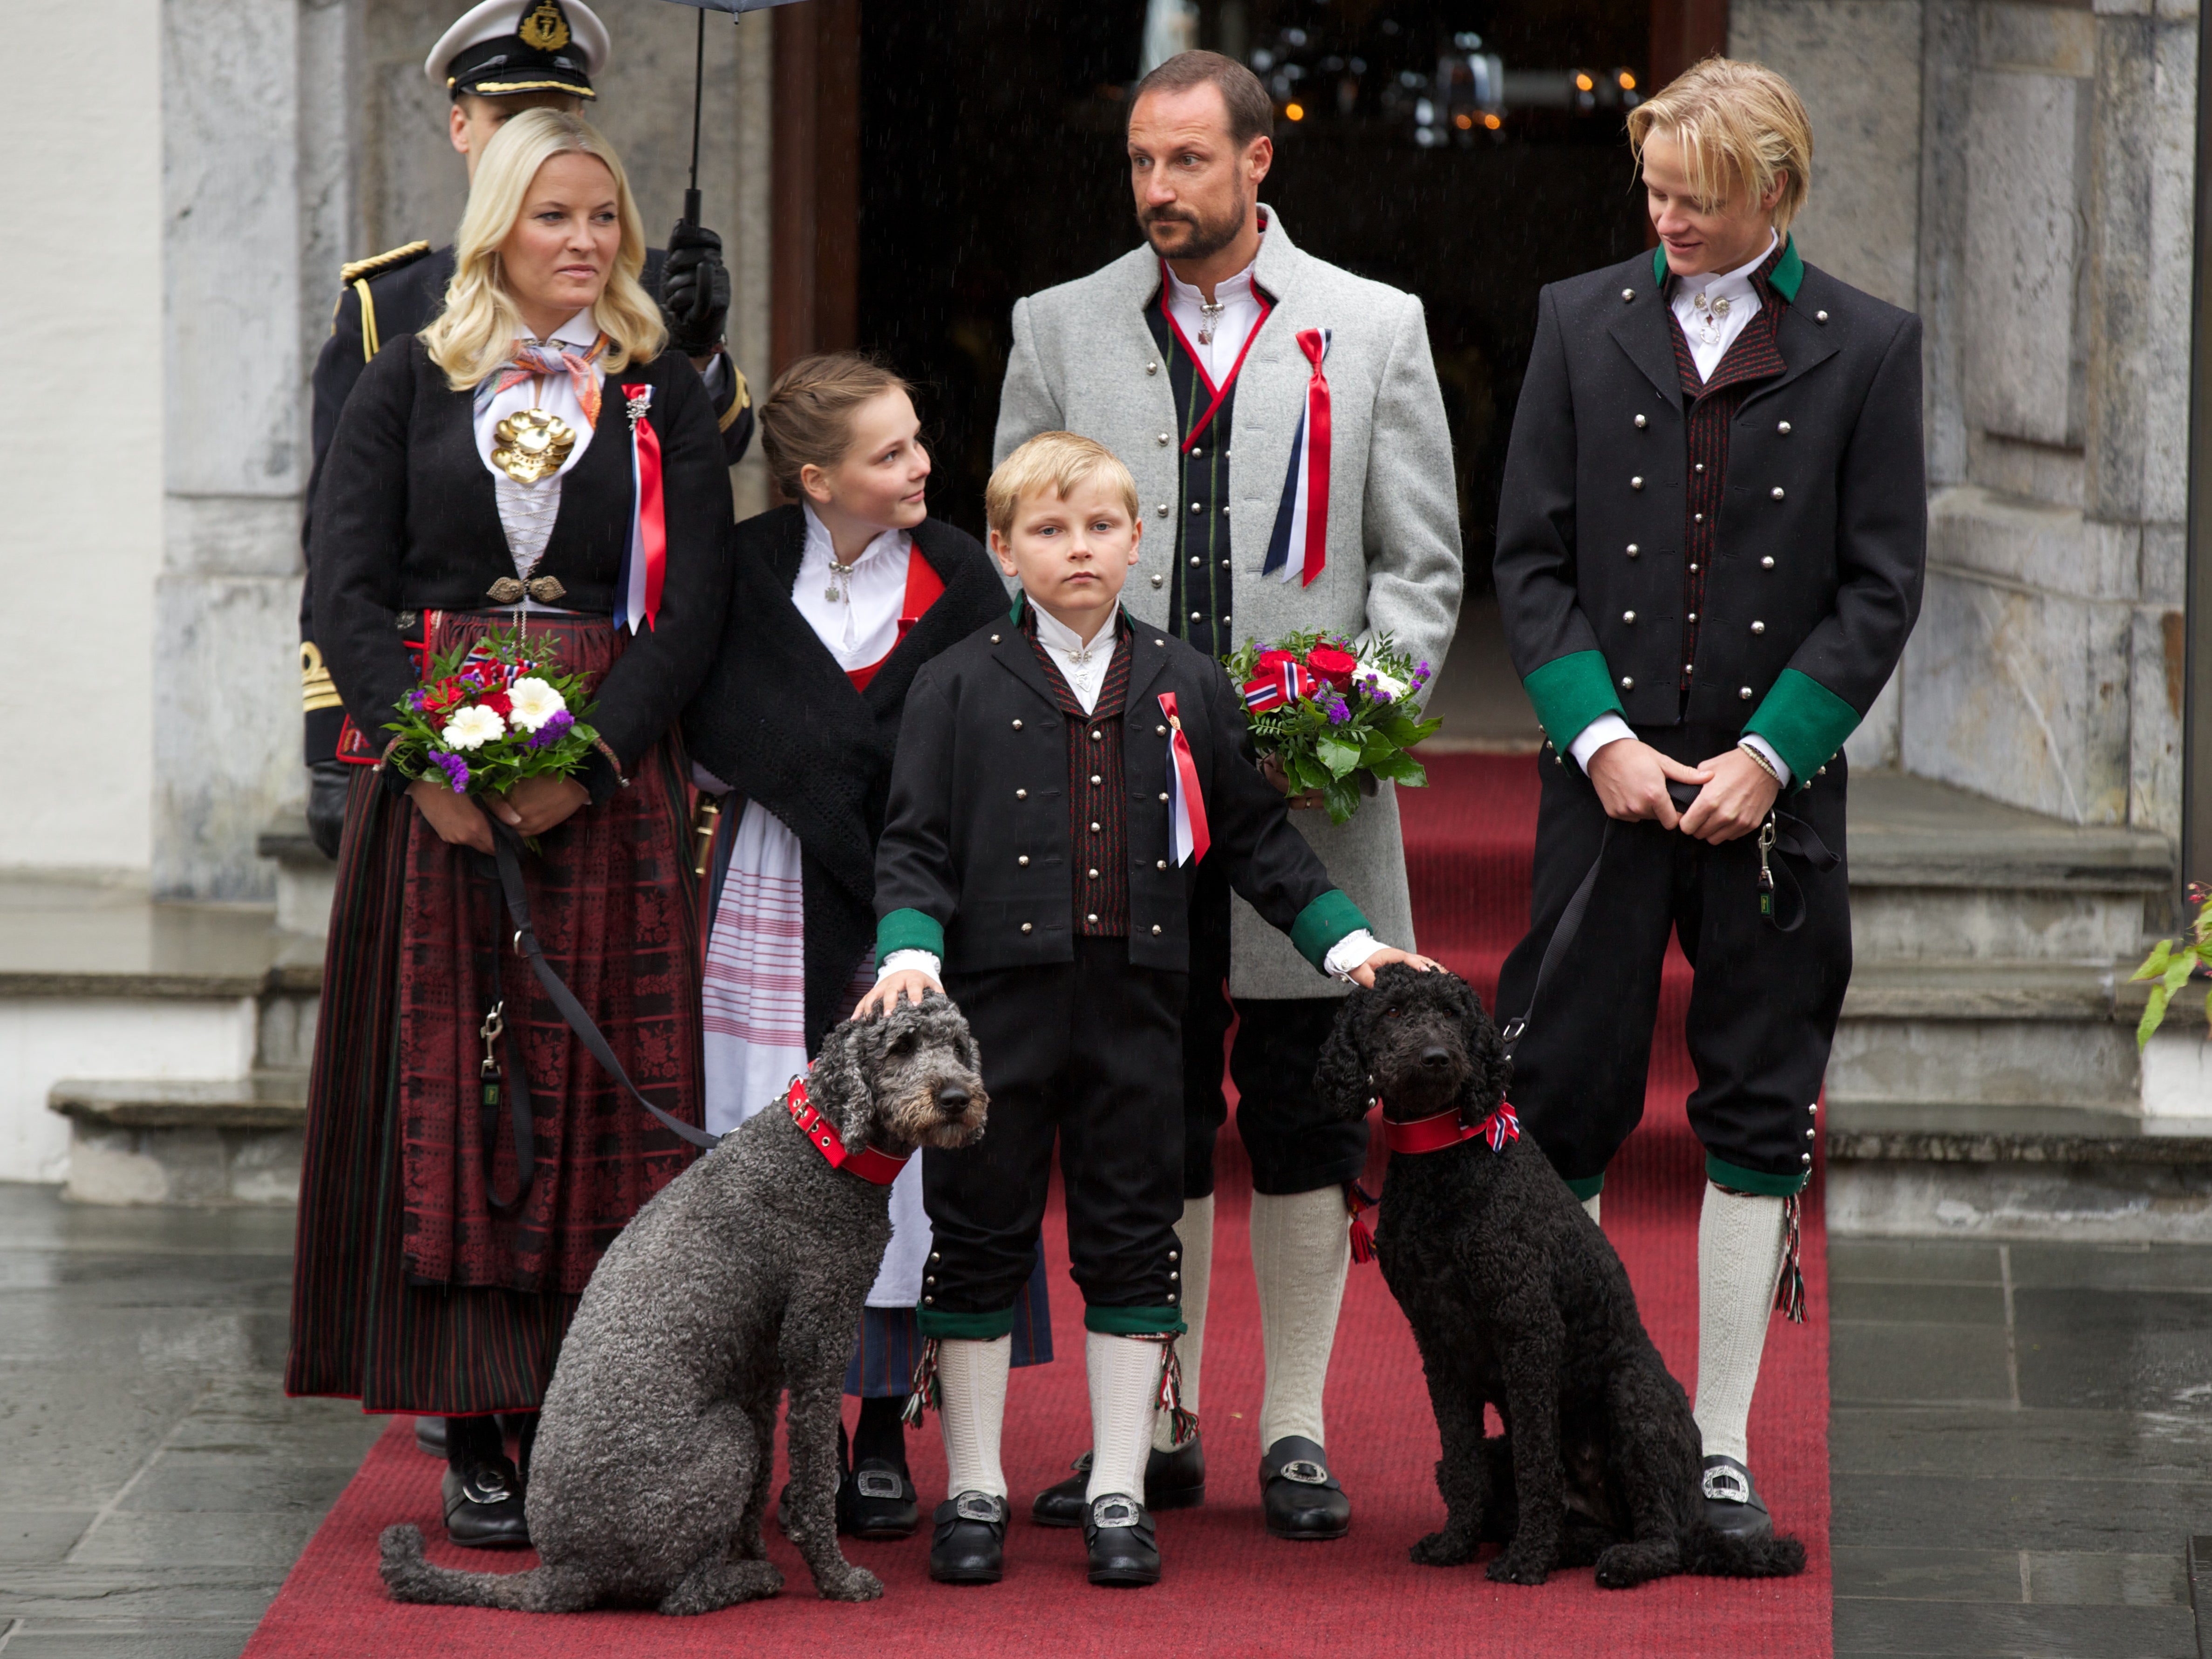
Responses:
[1084,360]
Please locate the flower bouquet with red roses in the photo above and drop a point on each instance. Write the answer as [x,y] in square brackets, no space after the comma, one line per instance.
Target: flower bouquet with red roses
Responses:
[1326,712]
[492,713]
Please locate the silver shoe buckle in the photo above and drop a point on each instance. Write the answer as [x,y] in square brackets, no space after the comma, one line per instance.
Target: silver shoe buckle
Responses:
[1115,1510]
[486,1486]
[978,1506]
[878,1483]
[1727,1486]
[1305,1472]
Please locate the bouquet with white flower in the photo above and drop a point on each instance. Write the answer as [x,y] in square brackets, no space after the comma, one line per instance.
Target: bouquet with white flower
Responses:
[491,713]
[1330,715]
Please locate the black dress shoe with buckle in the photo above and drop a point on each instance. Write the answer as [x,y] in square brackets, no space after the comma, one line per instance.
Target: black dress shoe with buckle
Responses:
[484,1507]
[1173,1480]
[969,1546]
[1119,1532]
[1301,1497]
[876,1500]
[1733,1505]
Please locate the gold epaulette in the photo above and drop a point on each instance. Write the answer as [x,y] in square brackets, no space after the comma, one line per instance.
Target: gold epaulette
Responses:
[349,274]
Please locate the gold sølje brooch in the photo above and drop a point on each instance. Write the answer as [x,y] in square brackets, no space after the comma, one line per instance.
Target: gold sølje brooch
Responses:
[530,445]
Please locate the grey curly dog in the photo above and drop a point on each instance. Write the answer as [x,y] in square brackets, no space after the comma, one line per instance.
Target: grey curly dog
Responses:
[745,1275]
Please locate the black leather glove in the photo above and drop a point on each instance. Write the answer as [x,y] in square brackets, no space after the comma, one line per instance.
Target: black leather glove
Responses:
[695,290]
[327,783]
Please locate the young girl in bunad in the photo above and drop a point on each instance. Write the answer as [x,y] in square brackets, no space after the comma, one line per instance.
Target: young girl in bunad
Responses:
[494,471]
[836,601]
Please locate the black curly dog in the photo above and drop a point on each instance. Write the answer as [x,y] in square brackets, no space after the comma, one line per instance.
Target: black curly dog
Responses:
[1516,1300]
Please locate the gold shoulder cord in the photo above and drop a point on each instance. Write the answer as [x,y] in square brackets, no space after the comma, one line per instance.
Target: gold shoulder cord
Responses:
[368,342]
[355,275]
[739,404]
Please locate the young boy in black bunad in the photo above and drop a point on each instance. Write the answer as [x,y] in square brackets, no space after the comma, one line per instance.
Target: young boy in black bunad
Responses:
[1060,776]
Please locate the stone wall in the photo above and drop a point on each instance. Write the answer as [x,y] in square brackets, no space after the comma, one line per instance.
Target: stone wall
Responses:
[2047,164]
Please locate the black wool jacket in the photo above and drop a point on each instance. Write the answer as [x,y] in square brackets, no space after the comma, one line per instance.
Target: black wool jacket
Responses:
[974,864]
[778,721]
[1823,529]
[406,519]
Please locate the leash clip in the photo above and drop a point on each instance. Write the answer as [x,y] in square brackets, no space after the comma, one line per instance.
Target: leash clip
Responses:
[1766,833]
[495,1023]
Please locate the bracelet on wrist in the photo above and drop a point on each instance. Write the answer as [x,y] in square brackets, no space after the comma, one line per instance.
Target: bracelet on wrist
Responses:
[1764,764]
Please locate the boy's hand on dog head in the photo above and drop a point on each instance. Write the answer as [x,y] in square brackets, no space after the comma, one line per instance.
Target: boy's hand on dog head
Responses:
[1363,974]
[907,983]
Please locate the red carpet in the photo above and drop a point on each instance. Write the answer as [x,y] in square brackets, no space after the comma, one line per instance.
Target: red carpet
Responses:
[1229,1590]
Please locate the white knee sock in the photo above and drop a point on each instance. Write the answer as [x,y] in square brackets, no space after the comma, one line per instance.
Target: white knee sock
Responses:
[1125,1381]
[971,1383]
[1300,1249]
[1739,1257]
[1195,1237]
[1589,1205]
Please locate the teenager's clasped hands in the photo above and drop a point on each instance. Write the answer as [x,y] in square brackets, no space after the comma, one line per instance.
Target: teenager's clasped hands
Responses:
[530,808]
[1734,794]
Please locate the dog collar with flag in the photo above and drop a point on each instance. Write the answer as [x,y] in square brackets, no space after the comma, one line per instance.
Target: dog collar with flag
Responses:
[868,1164]
[1433,1135]
[1186,833]
[1302,521]
[645,560]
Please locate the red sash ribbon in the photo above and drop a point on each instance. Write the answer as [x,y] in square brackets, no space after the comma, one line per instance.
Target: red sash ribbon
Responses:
[1433,1135]
[868,1164]
[1315,343]
[1187,840]
[645,561]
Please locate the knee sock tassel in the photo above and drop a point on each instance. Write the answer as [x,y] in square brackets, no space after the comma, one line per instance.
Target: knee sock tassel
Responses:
[1789,1285]
[921,1393]
[1183,1423]
[1357,1200]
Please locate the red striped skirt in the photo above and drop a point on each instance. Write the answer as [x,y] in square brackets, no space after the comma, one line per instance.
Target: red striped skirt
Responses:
[410,1290]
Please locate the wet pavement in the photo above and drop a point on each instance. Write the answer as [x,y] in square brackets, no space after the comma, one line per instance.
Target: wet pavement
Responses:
[2020,1443]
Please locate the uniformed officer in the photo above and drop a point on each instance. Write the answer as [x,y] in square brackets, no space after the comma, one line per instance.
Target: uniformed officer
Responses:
[500,59]
[1710,544]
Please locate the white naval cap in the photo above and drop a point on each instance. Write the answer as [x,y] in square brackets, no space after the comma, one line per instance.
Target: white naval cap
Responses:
[508,46]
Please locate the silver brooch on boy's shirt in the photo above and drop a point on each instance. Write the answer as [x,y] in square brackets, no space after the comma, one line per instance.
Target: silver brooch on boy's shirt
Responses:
[1711,313]
[840,590]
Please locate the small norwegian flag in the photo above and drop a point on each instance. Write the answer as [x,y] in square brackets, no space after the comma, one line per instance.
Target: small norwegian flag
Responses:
[1186,836]
[1283,683]
[1501,1126]
[1302,519]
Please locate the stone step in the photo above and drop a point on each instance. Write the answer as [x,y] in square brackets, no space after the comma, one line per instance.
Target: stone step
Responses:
[184,1141]
[307,881]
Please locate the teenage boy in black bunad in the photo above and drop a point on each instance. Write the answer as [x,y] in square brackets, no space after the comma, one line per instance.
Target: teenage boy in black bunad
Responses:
[1709,550]
[1059,777]
[498,59]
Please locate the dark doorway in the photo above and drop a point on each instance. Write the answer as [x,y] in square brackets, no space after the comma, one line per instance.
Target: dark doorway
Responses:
[1467,150]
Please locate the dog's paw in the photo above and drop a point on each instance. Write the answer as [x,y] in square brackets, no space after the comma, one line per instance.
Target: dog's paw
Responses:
[1442,1549]
[1512,1569]
[853,1585]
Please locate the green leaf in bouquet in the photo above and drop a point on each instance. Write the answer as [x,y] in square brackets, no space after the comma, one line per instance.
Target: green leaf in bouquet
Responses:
[1341,796]
[1338,755]
[1305,772]
[1399,767]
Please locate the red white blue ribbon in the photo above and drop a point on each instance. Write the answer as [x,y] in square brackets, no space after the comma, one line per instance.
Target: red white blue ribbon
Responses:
[1280,683]
[1188,839]
[1433,1135]
[1299,546]
[645,561]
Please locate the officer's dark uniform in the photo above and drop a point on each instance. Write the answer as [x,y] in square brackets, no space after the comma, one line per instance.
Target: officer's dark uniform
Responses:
[1707,559]
[398,292]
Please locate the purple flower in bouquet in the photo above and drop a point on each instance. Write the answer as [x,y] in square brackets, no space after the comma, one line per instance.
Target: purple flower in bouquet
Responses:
[555,727]
[1339,711]
[455,769]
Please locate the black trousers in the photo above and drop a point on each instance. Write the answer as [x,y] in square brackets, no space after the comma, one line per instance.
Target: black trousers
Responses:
[1087,1051]
[1762,1012]
[1295,1145]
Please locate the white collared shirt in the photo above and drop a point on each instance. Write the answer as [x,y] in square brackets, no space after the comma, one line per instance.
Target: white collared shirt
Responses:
[526,511]
[1711,329]
[1232,326]
[862,629]
[1082,664]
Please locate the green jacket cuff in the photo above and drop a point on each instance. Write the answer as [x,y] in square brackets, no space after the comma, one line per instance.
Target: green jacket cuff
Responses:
[909,930]
[1805,721]
[1133,1321]
[1570,692]
[966,1326]
[1757,1182]
[1322,923]
[1586,1187]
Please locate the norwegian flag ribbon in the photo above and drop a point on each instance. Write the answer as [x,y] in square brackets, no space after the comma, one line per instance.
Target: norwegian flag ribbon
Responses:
[1501,1126]
[1284,682]
[1302,521]
[1187,834]
[645,561]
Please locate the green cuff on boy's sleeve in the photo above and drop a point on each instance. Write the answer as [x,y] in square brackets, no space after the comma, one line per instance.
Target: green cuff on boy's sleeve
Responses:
[1757,1182]
[966,1326]
[1586,1187]
[909,930]
[1570,692]
[1133,1322]
[1805,721]
[1322,923]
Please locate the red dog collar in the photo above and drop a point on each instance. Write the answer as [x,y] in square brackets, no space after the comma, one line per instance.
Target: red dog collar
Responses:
[868,1164]
[1433,1135]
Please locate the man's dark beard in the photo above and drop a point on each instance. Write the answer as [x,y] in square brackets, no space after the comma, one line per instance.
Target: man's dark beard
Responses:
[1206,241]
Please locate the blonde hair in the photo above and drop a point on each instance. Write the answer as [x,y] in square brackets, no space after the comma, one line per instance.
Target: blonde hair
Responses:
[807,420]
[476,331]
[1060,462]
[1740,127]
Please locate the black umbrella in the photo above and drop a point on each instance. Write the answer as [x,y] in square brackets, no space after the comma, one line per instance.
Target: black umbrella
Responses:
[737,8]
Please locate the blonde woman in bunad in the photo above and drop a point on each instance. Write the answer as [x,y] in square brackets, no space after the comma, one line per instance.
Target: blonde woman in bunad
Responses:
[835,601]
[496,470]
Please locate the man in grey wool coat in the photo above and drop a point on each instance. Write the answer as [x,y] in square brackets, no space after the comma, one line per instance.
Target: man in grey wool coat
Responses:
[1229,369]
